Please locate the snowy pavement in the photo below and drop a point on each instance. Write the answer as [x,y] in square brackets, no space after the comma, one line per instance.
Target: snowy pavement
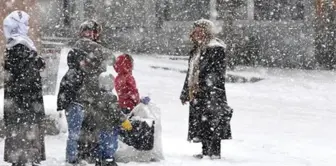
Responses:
[288,119]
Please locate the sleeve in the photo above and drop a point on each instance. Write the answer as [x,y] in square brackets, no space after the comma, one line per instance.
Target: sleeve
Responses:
[15,58]
[69,86]
[95,60]
[184,93]
[133,89]
[113,106]
[74,58]
[71,59]
[39,62]
[217,70]
[10,60]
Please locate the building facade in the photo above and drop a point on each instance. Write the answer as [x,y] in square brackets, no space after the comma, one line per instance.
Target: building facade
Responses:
[279,33]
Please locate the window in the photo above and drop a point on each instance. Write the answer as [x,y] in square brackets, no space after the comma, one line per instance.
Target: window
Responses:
[278,10]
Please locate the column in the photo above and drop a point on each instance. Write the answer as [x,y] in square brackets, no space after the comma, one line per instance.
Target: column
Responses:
[213,10]
[250,9]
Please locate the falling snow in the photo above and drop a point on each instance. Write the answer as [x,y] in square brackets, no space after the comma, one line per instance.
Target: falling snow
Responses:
[280,78]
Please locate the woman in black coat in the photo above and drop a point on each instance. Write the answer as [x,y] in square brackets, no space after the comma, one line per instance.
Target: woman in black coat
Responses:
[204,89]
[23,99]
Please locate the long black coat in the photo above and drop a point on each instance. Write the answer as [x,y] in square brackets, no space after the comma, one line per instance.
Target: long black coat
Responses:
[23,106]
[209,114]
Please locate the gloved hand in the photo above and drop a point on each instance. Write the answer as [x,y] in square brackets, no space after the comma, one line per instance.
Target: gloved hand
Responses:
[40,63]
[127,125]
[145,100]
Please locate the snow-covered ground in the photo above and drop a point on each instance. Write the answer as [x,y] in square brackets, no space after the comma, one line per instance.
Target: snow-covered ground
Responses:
[288,119]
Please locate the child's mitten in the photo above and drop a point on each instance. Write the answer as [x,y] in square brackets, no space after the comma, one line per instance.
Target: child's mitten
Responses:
[127,125]
[145,100]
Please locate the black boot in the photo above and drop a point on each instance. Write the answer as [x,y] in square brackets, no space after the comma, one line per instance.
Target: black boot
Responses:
[198,156]
[36,164]
[205,150]
[98,163]
[18,164]
[215,151]
[214,157]
[110,162]
[74,163]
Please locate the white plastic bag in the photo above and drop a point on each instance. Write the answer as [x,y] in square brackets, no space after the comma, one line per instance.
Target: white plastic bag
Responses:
[127,153]
[62,122]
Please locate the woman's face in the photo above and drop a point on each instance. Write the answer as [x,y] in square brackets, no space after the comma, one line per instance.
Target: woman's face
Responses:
[198,35]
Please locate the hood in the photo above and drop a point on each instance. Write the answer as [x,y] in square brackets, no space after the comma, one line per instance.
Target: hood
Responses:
[123,64]
[208,25]
[106,81]
[216,43]
[16,23]
[15,27]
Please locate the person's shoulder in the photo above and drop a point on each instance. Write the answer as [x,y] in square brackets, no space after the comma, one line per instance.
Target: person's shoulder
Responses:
[21,49]
[77,52]
[85,43]
[216,44]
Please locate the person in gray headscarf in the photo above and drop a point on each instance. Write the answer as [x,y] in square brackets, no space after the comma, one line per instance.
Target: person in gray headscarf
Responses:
[23,100]
[204,89]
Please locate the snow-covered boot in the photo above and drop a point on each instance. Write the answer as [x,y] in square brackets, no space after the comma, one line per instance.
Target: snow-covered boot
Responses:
[98,163]
[108,162]
[215,157]
[111,163]
[77,162]
[18,164]
[196,140]
[36,164]
[198,156]
[83,163]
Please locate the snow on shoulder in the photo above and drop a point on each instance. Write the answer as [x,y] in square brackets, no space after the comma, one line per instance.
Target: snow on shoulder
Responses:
[216,43]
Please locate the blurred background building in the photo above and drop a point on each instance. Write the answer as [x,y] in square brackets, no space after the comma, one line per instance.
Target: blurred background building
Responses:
[273,33]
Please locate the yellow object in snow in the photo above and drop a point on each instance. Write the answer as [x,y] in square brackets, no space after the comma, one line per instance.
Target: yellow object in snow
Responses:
[127,125]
